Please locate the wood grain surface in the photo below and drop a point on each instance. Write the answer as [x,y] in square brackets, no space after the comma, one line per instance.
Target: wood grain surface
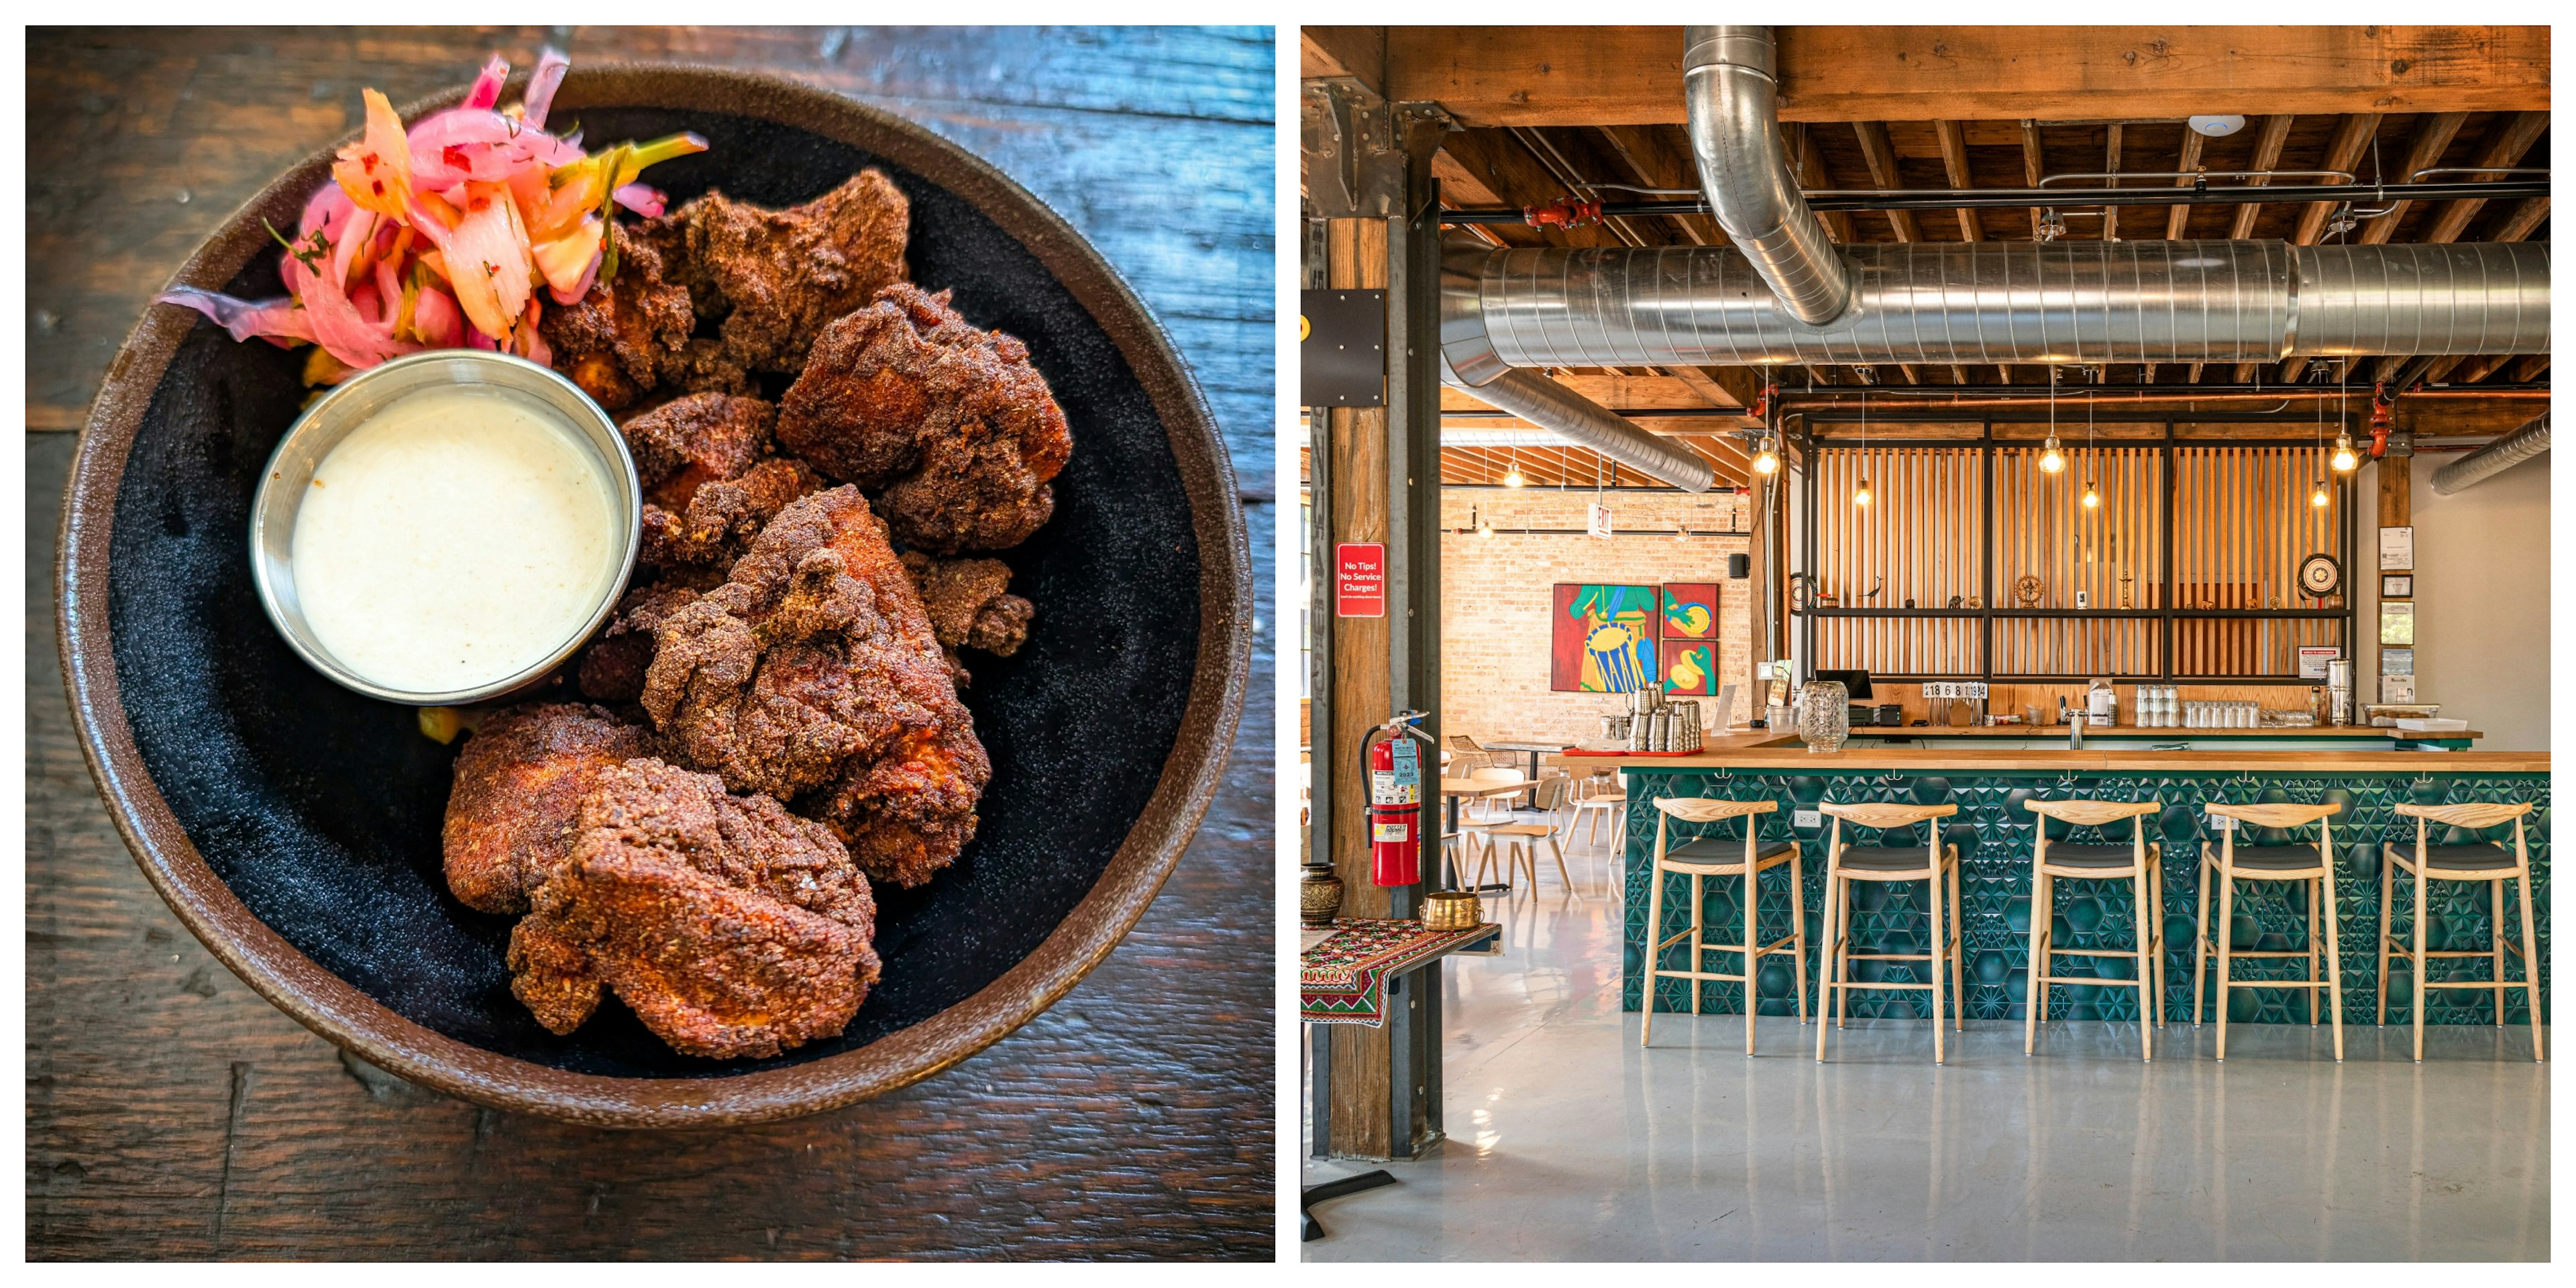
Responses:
[173,1113]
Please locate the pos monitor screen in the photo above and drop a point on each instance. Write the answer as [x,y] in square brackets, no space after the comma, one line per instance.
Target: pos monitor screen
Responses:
[1855,683]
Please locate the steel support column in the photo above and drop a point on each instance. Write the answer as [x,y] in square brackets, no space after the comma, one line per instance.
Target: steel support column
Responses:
[1376,478]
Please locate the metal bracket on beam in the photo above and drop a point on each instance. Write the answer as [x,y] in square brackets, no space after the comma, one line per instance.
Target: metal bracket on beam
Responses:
[1364,157]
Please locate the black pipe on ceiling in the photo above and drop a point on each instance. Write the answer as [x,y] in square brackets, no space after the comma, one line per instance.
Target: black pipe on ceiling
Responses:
[2376,194]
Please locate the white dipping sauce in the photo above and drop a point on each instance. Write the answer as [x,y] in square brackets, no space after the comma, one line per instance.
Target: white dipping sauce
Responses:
[457,537]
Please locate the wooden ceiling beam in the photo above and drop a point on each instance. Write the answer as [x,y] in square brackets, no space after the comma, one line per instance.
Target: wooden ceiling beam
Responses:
[1356,52]
[1491,167]
[2267,154]
[2524,218]
[1954,164]
[2034,166]
[1658,156]
[1883,174]
[2507,141]
[2351,138]
[1812,174]
[2479,368]
[1498,75]
[2433,134]
[2111,166]
[2179,215]
[2527,368]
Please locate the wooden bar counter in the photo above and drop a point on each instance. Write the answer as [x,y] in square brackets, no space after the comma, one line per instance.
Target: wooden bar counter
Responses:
[1989,772]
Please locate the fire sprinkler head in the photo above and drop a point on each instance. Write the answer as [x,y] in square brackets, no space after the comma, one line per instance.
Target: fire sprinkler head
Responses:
[2217,127]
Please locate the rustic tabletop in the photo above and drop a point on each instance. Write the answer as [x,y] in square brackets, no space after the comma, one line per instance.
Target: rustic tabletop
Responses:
[173,1113]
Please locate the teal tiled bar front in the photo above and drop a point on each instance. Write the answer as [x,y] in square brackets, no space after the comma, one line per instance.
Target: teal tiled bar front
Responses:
[1993,834]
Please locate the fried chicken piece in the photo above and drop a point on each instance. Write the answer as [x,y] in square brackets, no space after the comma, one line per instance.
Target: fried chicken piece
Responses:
[813,675]
[708,486]
[688,441]
[731,927]
[950,425]
[517,796]
[612,668]
[618,341]
[723,515]
[969,606]
[777,276]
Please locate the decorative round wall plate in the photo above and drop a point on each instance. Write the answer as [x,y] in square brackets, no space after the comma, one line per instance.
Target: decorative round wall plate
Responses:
[2320,575]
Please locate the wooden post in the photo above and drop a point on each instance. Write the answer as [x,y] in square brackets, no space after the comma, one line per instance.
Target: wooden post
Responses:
[1378,480]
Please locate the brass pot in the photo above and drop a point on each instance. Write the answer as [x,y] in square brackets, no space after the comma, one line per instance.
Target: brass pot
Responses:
[1319,896]
[1452,910]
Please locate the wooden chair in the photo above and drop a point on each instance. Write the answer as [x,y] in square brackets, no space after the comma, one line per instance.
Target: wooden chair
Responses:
[2489,862]
[1936,865]
[1493,809]
[2141,863]
[1719,857]
[1517,844]
[1602,798]
[2309,863]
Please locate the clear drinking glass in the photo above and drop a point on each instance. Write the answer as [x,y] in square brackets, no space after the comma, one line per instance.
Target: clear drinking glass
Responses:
[1824,718]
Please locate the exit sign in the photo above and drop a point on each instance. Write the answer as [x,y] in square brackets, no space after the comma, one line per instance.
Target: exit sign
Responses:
[1359,579]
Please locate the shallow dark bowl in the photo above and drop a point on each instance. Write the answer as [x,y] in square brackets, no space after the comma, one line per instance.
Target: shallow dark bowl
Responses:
[294,825]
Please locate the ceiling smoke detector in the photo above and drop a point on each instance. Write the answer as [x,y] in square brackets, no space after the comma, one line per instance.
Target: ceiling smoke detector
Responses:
[2216,127]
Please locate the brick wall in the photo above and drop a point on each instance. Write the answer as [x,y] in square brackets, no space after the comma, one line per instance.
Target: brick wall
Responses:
[1496,592]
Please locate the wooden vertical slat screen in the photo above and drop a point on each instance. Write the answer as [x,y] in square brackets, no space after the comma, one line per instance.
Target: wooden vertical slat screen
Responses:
[1917,540]
[2242,523]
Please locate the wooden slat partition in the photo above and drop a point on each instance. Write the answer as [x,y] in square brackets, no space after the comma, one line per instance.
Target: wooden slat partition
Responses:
[2242,524]
[1918,540]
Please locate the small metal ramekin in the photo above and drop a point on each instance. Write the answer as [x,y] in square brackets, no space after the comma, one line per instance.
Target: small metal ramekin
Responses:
[326,422]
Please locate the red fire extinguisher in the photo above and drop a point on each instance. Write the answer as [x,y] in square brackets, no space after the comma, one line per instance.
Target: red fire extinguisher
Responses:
[1393,757]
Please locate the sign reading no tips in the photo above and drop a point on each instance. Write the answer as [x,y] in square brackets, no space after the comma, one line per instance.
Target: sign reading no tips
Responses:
[1359,579]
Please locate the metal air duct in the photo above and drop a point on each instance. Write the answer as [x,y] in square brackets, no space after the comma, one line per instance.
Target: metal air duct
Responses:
[2495,458]
[1730,81]
[1585,423]
[1988,302]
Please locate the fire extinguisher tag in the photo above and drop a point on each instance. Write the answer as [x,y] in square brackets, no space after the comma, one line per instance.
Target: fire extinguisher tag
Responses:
[1401,785]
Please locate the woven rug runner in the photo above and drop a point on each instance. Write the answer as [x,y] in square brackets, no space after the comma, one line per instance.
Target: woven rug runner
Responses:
[1342,979]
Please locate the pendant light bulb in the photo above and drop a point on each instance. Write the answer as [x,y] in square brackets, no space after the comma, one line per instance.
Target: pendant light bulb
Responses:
[1512,477]
[2344,460]
[1765,459]
[2319,498]
[2092,497]
[2051,461]
[1862,497]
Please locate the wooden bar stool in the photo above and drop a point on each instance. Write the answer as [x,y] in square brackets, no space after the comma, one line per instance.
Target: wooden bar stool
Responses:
[2312,864]
[2141,863]
[1935,865]
[2489,862]
[1712,856]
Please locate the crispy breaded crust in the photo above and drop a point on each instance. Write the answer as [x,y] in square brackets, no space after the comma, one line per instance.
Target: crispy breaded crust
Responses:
[519,785]
[949,426]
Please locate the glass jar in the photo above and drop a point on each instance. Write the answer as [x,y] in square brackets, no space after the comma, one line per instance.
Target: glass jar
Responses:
[1824,719]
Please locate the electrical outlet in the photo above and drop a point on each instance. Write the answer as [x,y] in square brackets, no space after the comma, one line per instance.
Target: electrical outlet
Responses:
[1807,818]
[2219,822]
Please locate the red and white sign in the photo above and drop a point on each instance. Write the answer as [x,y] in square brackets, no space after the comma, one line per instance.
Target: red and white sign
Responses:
[1359,579]
[1596,520]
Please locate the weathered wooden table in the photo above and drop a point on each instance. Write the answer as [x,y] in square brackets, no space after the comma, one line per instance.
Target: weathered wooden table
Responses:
[173,1113]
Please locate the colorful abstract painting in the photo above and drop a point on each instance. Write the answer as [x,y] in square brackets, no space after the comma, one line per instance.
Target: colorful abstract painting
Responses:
[1601,638]
[1690,669]
[1690,610]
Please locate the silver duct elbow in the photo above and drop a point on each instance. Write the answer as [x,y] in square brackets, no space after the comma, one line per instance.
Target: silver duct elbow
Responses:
[2495,458]
[1730,87]
[1585,423]
[1988,302]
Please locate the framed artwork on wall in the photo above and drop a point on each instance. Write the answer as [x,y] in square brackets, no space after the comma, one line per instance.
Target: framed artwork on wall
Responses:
[1602,637]
[1690,610]
[1690,668]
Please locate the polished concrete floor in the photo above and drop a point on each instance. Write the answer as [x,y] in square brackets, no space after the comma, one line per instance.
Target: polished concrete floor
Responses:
[1568,1142]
